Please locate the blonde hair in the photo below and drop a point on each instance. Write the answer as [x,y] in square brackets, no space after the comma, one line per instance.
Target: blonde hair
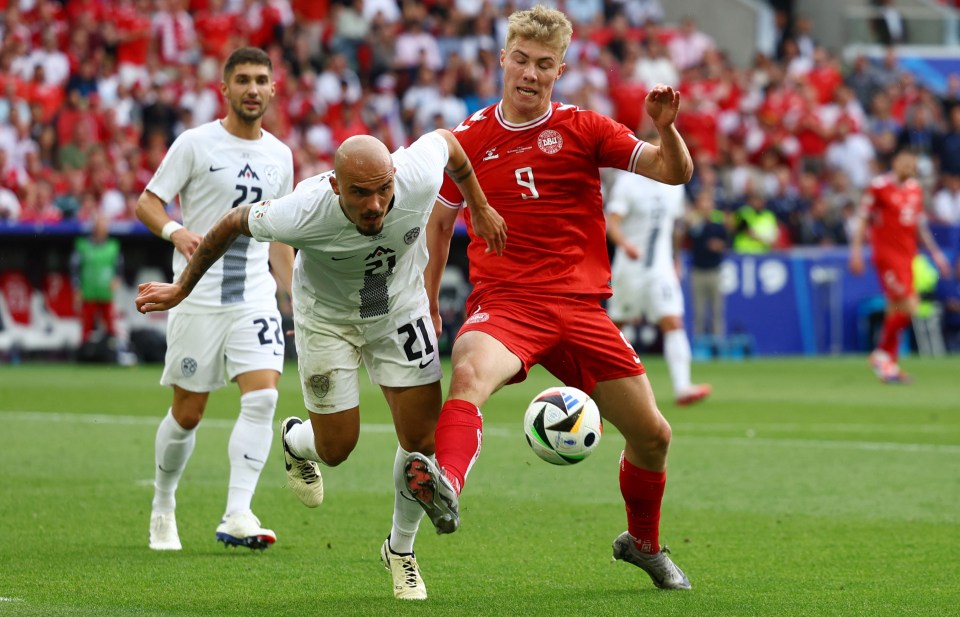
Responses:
[541,24]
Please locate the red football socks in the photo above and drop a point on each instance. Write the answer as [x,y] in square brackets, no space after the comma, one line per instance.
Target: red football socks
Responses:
[893,325]
[458,436]
[642,492]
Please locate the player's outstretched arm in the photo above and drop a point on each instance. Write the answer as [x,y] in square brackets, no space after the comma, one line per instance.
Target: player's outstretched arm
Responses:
[155,296]
[856,240]
[487,222]
[923,230]
[151,212]
[670,162]
[440,228]
[281,262]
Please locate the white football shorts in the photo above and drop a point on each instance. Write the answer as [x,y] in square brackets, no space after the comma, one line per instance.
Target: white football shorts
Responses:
[649,294]
[330,354]
[205,350]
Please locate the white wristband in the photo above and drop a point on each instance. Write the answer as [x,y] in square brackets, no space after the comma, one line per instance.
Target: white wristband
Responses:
[169,228]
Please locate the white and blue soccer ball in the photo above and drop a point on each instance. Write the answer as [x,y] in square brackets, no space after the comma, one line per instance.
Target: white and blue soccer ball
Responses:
[562,425]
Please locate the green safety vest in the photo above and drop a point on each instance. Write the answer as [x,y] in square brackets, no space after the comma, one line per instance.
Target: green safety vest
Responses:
[763,224]
[98,267]
[925,277]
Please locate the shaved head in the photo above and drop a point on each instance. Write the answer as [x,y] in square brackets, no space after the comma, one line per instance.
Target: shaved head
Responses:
[362,157]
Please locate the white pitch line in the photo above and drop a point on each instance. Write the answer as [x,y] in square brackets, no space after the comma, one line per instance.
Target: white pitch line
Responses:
[499,431]
[793,427]
[826,444]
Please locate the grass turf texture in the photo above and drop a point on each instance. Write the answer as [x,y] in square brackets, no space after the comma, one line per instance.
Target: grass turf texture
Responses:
[801,487]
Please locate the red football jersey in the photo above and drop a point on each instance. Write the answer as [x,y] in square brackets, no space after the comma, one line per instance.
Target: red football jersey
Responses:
[894,210]
[543,177]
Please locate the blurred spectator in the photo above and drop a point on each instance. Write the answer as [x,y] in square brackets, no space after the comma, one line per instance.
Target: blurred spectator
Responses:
[172,28]
[74,153]
[419,95]
[919,135]
[947,147]
[889,26]
[839,193]
[851,152]
[948,294]
[9,206]
[416,47]
[864,79]
[56,66]
[159,116]
[338,83]
[96,266]
[951,96]
[128,30]
[946,201]
[37,205]
[447,105]
[707,233]
[386,10]
[655,66]
[583,12]
[688,45]
[214,29]
[818,227]
[350,27]
[68,200]
[756,229]
[200,97]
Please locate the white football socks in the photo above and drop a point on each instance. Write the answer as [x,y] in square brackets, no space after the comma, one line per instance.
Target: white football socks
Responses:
[301,442]
[173,447]
[407,512]
[249,446]
[676,351]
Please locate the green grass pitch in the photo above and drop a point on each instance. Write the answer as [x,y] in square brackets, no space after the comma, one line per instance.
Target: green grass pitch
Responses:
[801,487]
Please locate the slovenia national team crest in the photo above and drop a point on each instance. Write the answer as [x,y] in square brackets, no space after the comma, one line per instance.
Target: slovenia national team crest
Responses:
[411,236]
[320,384]
[188,366]
[550,141]
[272,173]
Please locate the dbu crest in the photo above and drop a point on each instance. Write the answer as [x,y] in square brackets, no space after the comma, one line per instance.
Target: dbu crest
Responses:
[320,385]
[550,141]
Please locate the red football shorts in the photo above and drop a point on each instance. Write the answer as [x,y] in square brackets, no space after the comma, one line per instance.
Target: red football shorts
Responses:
[572,337]
[896,278]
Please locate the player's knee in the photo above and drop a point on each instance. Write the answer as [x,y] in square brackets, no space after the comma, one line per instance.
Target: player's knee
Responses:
[418,443]
[333,454]
[662,436]
[188,416]
[655,439]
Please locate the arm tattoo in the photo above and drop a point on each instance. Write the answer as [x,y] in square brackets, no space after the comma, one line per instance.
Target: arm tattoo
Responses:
[214,244]
[461,173]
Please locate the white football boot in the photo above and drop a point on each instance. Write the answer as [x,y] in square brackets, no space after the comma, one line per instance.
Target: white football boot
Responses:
[407,584]
[243,529]
[163,532]
[303,476]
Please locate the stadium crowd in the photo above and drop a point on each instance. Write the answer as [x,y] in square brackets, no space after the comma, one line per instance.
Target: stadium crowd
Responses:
[94,92]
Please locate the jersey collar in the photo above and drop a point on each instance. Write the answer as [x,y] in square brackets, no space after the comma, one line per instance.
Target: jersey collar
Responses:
[522,126]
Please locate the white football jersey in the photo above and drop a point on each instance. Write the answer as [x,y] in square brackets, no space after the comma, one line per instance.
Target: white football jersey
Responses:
[214,171]
[342,276]
[649,210]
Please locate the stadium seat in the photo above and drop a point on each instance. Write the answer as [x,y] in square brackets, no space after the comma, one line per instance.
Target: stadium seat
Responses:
[18,338]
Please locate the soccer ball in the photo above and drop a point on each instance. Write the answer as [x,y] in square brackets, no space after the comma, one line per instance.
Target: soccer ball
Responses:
[562,425]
